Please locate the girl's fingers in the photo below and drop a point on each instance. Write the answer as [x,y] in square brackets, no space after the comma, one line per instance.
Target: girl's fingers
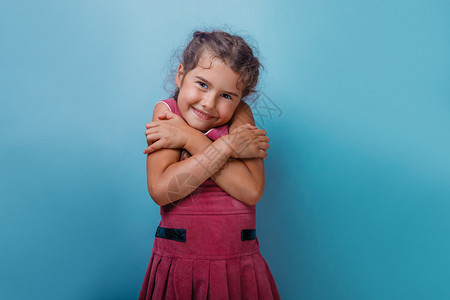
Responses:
[147,150]
[263,146]
[263,138]
[255,130]
[166,115]
[263,143]
[152,137]
[154,130]
[261,153]
[265,155]
[261,132]
[162,116]
[248,126]
[150,148]
[155,146]
[171,114]
[151,124]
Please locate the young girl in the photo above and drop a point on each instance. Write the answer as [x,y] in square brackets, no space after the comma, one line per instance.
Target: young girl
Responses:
[205,169]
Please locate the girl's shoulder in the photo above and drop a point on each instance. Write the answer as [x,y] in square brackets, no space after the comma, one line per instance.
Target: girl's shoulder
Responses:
[171,105]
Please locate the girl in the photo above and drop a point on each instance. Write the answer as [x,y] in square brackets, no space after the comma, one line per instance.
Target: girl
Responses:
[205,169]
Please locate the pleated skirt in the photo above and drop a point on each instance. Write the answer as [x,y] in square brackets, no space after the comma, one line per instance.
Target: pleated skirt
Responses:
[215,260]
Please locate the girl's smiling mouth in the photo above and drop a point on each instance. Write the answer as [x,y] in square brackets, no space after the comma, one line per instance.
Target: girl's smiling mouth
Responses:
[202,114]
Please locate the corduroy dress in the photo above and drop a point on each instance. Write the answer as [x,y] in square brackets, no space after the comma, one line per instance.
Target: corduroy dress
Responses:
[206,246]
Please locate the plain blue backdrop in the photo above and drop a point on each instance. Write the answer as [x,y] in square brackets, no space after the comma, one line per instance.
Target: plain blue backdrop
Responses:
[357,197]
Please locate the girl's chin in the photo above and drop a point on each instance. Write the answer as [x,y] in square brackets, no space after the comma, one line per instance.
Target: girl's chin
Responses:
[197,126]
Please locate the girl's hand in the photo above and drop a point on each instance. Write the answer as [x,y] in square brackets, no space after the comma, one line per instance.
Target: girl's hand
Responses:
[247,141]
[170,132]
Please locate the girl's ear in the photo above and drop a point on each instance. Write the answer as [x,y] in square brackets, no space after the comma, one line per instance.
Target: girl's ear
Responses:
[179,77]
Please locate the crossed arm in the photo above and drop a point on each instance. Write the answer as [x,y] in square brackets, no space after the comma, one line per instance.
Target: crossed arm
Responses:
[242,178]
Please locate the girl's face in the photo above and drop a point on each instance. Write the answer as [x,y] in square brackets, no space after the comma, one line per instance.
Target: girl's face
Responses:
[208,94]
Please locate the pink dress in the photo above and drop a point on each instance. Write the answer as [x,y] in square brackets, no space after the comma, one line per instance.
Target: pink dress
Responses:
[206,246]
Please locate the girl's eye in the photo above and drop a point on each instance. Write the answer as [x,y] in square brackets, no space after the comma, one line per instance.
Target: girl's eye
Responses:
[227,96]
[202,84]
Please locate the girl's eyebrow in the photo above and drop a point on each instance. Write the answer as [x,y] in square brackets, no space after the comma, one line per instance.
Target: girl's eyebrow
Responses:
[209,83]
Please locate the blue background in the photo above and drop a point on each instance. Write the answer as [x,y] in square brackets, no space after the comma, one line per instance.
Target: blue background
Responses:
[356,204]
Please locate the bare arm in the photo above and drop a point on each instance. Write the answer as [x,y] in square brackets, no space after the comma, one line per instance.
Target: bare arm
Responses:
[243,179]
[165,171]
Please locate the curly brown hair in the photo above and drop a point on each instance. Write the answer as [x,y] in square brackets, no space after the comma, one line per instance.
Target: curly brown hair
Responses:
[233,50]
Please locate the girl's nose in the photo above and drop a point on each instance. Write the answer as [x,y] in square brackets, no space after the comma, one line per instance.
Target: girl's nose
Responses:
[208,101]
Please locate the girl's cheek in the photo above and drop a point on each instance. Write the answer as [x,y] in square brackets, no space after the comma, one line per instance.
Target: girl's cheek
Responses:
[193,93]
[196,95]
